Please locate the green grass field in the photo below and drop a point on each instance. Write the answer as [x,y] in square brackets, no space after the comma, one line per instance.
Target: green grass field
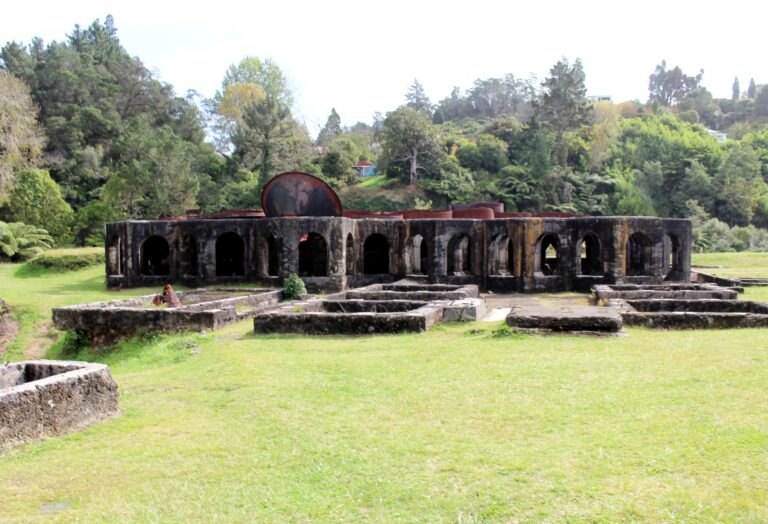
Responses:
[745,264]
[448,426]
[376,182]
[32,294]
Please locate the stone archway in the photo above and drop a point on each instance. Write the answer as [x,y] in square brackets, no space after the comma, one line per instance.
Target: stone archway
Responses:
[460,255]
[548,256]
[638,255]
[313,255]
[590,257]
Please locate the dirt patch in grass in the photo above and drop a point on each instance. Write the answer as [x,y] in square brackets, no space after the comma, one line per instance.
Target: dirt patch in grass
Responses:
[8,331]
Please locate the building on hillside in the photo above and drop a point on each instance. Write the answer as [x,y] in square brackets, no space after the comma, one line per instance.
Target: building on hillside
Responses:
[600,98]
[719,136]
[364,169]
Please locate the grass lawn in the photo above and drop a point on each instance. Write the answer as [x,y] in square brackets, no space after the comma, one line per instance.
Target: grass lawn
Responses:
[32,294]
[376,182]
[446,426]
[745,264]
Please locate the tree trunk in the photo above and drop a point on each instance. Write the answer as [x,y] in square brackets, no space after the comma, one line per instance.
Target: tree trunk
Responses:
[414,165]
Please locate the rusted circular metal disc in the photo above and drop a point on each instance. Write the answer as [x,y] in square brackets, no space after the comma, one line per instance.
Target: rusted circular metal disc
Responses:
[299,195]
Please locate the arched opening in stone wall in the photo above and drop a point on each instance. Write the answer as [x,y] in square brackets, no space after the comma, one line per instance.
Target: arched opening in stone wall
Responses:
[671,254]
[115,256]
[230,255]
[349,255]
[273,267]
[416,256]
[500,255]
[376,255]
[188,256]
[549,255]
[638,255]
[313,256]
[460,255]
[591,262]
[155,255]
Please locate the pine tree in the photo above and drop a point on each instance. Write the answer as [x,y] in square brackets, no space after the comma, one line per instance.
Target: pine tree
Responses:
[331,130]
[752,89]
[417,99]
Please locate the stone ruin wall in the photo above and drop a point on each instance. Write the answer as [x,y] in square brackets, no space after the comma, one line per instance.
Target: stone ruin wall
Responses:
[45,398]
[528,254]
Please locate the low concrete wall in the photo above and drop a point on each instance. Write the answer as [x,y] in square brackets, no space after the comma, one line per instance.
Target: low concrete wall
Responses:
[315,323]
[45,398]
[694,320]
[671,291]
[107,323]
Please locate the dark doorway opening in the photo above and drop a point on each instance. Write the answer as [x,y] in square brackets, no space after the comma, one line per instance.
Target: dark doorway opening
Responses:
[638,255]
[376,255]
[671,255]
[155,255]
[230,255]
[591,261]
[313,256]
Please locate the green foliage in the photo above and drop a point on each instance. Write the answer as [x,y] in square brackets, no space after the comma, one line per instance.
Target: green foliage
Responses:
[331,130]
[89,89]
[337,161]
[36,199]
[563,105]
[243,191]
[690,116]
[89,222]
[699,106]
[410,146]
[20,241]
[293,287]
[21,138]
[417,99]
[738,185]
[667,87]
[152,173]
[487,153]
[380,197]
[61,260]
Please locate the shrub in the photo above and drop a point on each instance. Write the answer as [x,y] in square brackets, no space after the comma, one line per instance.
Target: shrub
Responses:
[293,287]
[36,199]
[67,260]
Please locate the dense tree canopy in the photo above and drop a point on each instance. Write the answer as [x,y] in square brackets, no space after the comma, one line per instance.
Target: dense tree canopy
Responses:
[21,137]
[112,142]
[669,86]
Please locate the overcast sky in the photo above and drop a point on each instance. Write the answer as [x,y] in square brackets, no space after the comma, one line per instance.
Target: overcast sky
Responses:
[360,57]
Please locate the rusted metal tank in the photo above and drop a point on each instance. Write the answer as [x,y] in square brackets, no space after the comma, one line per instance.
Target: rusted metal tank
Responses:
[297,194]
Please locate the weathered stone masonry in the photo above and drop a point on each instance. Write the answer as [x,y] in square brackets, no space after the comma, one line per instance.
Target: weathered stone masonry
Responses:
[526,254]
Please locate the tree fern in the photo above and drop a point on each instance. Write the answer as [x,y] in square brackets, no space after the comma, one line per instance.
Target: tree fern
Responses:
[19,241]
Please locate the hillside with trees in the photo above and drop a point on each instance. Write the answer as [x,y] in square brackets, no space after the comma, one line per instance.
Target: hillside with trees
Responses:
[88,135]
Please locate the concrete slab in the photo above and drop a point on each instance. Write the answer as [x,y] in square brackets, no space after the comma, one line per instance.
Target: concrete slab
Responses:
[565,318]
